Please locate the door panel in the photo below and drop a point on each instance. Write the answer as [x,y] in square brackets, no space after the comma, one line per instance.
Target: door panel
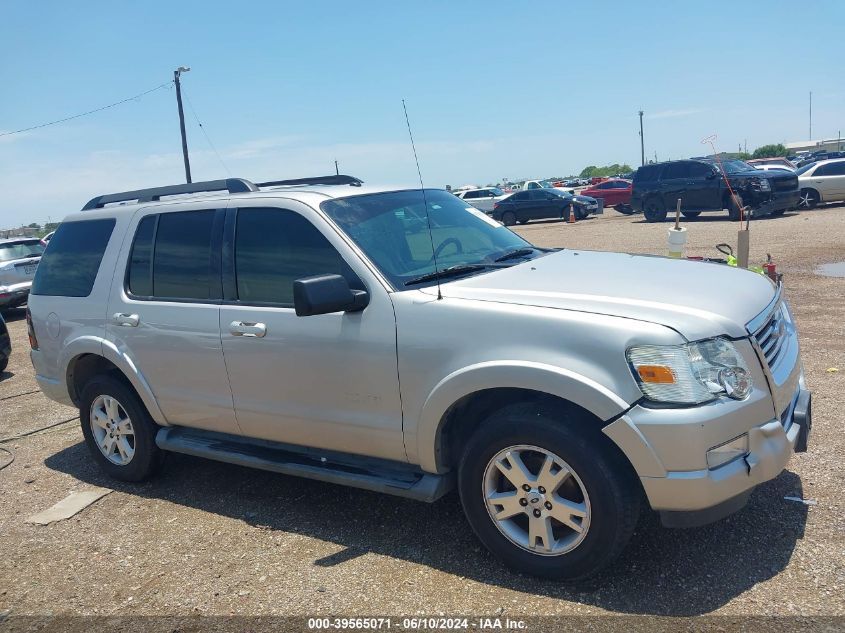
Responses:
[328,381]
[174,341]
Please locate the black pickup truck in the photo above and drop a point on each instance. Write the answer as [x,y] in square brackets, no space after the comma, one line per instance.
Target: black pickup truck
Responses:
[700,185]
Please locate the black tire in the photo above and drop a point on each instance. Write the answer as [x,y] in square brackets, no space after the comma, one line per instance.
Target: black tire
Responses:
[690,214]
[603,471]
[509,218]
[147,457]
[654,210]
[735,205]
[809,199]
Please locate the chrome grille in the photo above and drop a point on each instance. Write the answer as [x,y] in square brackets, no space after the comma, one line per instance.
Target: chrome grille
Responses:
[772,336]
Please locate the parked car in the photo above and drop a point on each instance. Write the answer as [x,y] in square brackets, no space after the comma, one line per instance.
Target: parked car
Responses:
[556,389]
[783,163]
[535,184]
[483,199]
[701,186]
[5,345]
[19,257]
[615,192]
[541,204]
[822,181]
[46,239]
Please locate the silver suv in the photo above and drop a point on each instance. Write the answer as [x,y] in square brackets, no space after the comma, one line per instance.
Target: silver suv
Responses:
[403,342]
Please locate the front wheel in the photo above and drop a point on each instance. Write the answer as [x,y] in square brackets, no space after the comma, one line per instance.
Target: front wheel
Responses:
[545,498]
[654,210]
[809,199]
[508,218]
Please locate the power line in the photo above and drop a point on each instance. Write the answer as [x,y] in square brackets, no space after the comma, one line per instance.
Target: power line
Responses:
[205,134]
[76,116]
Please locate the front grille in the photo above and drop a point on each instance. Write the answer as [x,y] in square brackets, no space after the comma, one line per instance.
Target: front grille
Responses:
[772,336]
[786,184]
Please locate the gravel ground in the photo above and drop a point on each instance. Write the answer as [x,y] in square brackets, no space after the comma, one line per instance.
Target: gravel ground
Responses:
[209,538]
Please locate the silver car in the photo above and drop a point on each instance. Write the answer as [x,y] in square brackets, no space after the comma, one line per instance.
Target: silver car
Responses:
[19,259]
[403,342]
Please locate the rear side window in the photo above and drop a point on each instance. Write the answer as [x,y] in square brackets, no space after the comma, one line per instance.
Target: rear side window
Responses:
[69,266]
[676,170]
[275,247]
[171,257]
[647,173]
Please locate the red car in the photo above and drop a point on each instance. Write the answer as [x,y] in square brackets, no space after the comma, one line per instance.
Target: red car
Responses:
[615,192]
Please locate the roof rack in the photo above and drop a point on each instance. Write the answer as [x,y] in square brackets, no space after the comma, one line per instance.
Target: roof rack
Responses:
[339,179]
[232,185]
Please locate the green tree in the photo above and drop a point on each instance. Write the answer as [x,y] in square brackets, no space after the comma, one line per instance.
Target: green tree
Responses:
[608,170]
[34,225]
[770,151]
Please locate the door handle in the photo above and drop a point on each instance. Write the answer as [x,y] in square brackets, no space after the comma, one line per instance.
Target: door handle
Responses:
[126,320]
[251,330]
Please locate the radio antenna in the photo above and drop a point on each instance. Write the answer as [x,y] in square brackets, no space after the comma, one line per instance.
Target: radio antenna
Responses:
[425,201]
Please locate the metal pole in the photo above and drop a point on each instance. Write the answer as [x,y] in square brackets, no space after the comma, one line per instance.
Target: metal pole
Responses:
[336,170]
[176,74]
[642,140]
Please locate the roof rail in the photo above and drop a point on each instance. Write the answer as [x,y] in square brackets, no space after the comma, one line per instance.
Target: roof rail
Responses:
[232,185]
[339,179]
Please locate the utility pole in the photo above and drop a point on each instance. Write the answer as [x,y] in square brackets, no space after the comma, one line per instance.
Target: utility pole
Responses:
[642,140]
[811,115]
[176,75]
[336,170]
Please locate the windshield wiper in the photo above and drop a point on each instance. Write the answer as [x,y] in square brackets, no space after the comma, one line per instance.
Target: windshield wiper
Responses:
[519,252]
[452,271]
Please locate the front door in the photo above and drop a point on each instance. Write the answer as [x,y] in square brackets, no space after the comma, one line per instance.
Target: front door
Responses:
[164,315]
[327,381]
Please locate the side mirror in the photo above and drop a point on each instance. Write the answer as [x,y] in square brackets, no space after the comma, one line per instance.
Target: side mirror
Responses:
[713,174]
[324,294]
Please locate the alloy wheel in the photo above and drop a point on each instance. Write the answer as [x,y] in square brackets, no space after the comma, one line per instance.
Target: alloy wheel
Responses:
[112,429]
[536,500]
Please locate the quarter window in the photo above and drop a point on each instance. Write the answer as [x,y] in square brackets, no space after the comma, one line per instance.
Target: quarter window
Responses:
[676,170]
[69,266]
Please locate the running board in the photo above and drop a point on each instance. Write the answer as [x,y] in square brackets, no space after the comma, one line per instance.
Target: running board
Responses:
[369,473]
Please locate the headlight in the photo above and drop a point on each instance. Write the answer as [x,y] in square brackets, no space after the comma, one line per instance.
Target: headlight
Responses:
[763,184]
[691,374]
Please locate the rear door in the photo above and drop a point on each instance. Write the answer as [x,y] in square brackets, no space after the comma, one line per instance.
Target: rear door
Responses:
[164,314]
[702,192]
[829,181]
[674,184]
[327,381]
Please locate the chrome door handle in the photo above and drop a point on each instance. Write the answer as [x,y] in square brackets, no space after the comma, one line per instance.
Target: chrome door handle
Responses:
[126,320]
[251,330]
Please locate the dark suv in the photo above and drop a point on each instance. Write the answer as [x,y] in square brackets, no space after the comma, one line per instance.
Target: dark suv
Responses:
[700,185]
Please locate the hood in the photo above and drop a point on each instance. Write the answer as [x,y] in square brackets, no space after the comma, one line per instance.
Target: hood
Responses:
[585,199]
[697,299]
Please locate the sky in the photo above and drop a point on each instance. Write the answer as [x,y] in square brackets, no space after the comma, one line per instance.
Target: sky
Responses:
[494,89]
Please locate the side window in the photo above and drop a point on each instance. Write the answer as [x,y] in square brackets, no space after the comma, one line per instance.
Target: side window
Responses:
[699,170]
[469,195]
[275,247]
[140,276]
[647,173]
[69,266]
[522,196]
[182,255]
[837,169]
[676,170]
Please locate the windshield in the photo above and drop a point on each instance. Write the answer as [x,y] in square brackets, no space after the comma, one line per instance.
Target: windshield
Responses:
[733,166]
[392,230]
[805,168]
[496,191]
[20,250]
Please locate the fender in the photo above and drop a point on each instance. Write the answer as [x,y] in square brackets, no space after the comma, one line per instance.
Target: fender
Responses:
[549,379]
[106,349]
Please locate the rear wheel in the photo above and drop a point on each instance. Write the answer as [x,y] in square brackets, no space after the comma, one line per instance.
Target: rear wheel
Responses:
[509,218]
[809,199]
[654,210]
[547,499]
[119,432]
[691,214]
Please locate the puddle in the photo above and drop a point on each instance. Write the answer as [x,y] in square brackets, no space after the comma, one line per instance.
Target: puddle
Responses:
[836,269]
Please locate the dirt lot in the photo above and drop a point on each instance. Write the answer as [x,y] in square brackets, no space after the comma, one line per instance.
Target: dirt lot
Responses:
[209,538]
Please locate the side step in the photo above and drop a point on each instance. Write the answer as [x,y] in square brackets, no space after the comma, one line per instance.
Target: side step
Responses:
[369,473]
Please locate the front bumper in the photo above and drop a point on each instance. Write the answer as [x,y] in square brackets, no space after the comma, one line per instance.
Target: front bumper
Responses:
[779,201]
